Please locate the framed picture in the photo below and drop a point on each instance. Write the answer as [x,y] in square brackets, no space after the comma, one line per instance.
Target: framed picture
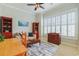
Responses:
[23,23]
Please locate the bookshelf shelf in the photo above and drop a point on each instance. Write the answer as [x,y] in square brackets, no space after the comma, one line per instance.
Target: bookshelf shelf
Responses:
[35,29]
[6,26]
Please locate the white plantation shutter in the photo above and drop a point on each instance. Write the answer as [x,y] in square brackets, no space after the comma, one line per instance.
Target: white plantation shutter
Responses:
[63,24]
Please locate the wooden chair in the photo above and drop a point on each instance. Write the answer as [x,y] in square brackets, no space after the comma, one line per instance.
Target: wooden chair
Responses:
[24,40]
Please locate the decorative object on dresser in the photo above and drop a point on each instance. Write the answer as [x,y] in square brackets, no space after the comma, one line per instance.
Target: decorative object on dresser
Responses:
[6,26]
[35,29]
[54,38]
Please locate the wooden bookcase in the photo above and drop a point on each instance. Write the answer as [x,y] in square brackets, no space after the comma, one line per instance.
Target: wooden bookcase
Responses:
[35,29]
[6,26]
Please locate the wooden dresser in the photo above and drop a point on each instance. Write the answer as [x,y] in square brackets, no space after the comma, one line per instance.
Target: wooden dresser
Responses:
[54,38]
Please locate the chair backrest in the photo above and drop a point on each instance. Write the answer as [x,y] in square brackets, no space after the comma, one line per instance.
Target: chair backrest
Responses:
[24,39]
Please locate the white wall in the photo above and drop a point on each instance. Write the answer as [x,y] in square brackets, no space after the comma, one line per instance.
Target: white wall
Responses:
[17,15]
[38,19]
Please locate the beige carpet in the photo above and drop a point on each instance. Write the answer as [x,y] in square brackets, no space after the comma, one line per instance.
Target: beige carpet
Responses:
[65,50]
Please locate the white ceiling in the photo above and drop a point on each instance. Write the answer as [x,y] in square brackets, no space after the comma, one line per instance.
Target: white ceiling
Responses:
[30,9]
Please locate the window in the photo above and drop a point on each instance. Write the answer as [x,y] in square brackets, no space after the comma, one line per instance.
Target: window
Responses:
[49,29]
[71,18]
[49,25]
[71,24]
[71,30]
[53,24]
[58,20]
[57,29]
[64,30]
[58,24]
[53,28]
[63,24]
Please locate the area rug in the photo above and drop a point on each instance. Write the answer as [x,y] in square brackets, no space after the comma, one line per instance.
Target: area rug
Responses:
[42,49]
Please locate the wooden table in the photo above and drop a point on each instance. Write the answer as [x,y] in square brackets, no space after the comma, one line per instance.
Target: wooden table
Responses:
[12,47]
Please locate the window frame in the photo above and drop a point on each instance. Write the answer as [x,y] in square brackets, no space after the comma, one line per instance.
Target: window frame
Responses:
[69,11]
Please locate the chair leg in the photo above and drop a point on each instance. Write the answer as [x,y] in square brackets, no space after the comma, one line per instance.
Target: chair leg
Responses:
[25,54]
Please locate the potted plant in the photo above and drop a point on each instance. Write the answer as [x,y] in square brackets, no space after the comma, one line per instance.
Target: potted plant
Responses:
[1,38]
